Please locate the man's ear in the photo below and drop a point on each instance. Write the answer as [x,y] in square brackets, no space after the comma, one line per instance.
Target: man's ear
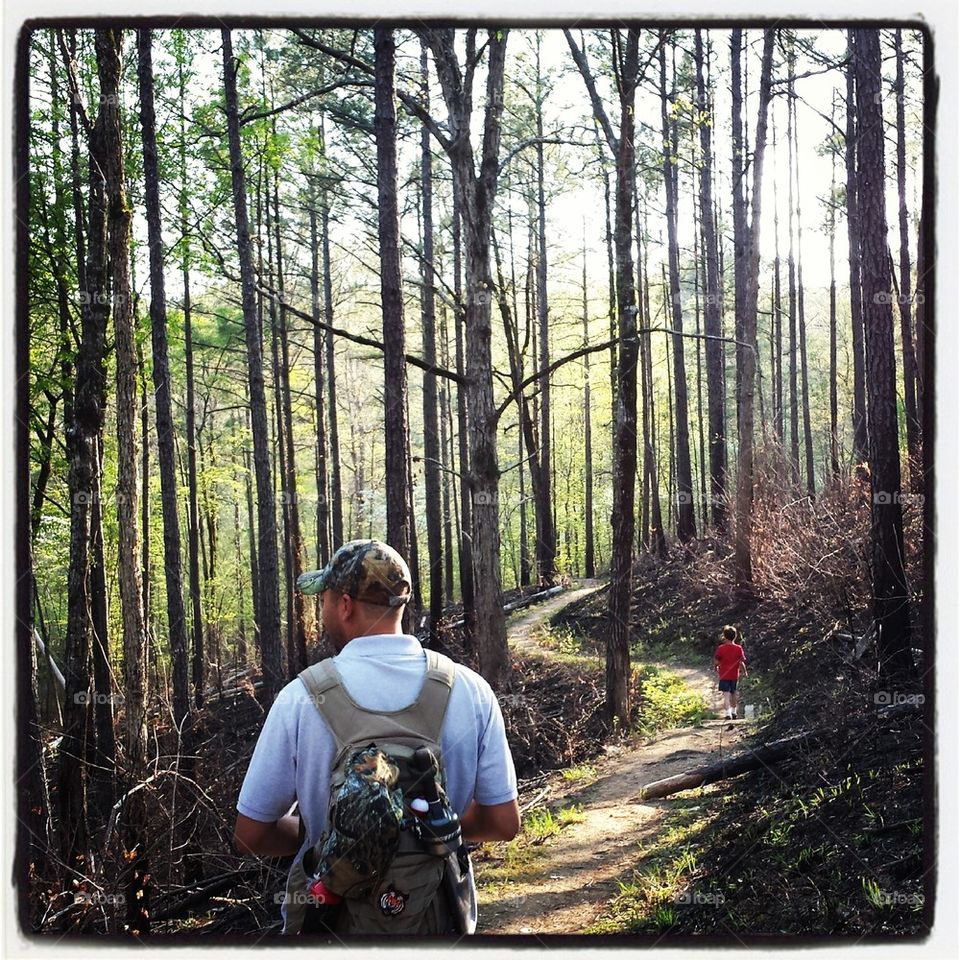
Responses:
[347,606]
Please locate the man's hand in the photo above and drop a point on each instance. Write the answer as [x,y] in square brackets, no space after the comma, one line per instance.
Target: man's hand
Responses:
[498,822]
[278,839]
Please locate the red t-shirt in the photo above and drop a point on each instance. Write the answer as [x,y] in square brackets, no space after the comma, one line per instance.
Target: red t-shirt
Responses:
[730,656]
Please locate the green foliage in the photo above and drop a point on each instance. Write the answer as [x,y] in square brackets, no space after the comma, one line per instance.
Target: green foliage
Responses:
[666,701]
[585,773]
[542,822]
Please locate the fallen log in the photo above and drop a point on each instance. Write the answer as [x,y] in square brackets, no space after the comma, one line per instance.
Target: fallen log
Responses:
[743,763]
[519,604]
[763,756]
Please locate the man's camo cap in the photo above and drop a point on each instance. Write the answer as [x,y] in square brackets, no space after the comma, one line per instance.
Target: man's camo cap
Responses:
[367,570]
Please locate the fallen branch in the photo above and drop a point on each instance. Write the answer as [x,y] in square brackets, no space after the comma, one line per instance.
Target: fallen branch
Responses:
[519,604]
[55,671]
[744,763]
[763,756]
[208,890]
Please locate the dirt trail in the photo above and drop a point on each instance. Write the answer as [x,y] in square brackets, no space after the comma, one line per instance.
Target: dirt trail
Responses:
[577,871]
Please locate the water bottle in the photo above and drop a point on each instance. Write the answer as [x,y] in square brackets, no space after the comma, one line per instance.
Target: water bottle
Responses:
[439,830]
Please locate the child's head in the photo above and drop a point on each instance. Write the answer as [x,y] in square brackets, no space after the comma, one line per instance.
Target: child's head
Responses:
[729,634]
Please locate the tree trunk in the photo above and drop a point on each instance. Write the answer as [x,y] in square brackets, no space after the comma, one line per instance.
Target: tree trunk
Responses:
[476,193]
[269,606]
[716,430]
[336,483]
[465,554]
[738,185]
[832,230]
[792,283]
[431,429]
[891,595]
[446,447]
[801,318]
[853,237]
[686,522]
[547,533]
[281,444]
[776,319]
[109,46]
[297,655]
[904,298]
[82,443]
[742,560]
[625,410]
[590,559]
[658,540]
[319,386]
[396,428]
[176,618]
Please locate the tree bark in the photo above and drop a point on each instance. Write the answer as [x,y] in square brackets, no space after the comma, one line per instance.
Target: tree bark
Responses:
[686,522]
[476,192]
[269,606]
[904,298]
[716,430]
[546,527]
[832,230]
[176,617]
[625,411]
[891,602]
[590,562]
[336,482]
[742,552]
[431,429]
[801,316]
[853,237]
[396,428]
[297,655]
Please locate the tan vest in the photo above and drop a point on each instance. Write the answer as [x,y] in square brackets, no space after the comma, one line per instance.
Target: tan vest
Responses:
[404,730]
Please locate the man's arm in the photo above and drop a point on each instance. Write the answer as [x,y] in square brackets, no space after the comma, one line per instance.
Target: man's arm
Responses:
[278,839]
[498,822]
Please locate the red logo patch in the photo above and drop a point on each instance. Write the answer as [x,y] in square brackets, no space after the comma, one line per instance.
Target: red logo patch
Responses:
[393,902]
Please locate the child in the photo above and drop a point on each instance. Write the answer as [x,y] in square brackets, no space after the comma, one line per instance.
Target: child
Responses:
[731,663]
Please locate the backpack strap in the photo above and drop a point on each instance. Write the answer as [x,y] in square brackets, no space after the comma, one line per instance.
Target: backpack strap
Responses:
[351,723]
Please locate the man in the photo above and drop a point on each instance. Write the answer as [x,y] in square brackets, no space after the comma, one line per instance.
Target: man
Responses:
[731,663]
[364,590]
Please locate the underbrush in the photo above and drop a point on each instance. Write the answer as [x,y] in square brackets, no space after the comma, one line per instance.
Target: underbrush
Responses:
[798,850]
[830,841]
[666,701]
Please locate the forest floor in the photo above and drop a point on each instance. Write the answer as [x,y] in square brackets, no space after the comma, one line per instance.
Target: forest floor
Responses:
[567,883]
